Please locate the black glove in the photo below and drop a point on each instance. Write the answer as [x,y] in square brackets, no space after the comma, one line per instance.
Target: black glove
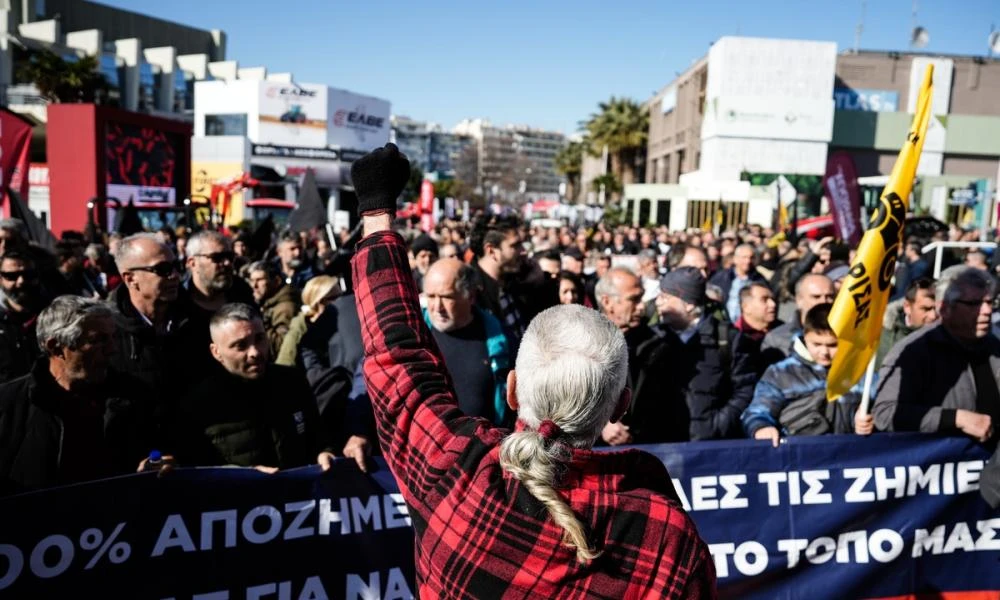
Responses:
[379,177]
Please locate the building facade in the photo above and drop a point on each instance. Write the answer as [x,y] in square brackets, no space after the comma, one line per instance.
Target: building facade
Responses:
[675,116]
[150,64]
[871,94]
[515,159]
[756,108]
[430,148]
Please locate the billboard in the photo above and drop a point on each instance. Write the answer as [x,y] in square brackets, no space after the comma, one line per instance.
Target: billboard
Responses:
[770,67]
[141,164]
[206,173]
[292,114]
[866,100]
[770,89]
[760,117]
[356,122]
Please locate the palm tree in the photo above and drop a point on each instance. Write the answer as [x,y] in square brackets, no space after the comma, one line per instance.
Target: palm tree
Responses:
[622,125]
[569,162]
[61,80]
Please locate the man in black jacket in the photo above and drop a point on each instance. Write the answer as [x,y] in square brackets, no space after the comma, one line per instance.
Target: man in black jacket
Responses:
[21,299]
[619,296]
[73,418]
[253,414]
[701,383]
[155,341]
[514,290]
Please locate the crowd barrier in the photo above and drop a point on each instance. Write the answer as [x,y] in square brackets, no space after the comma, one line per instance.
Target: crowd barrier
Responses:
[819,517]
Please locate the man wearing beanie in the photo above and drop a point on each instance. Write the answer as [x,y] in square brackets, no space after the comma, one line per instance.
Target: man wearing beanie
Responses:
[526,497]
[424,251]
[704,382]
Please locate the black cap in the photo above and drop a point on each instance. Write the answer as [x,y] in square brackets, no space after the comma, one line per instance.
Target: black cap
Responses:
[686,283]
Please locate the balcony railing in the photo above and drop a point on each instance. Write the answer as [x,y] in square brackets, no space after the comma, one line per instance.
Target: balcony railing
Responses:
[21,95]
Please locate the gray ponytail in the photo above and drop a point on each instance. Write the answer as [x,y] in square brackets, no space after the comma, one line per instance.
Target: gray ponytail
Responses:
[571,370]
[527,457]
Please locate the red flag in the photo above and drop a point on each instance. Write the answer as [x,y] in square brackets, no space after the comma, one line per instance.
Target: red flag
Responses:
[841,183]
[15,143]
[426,205]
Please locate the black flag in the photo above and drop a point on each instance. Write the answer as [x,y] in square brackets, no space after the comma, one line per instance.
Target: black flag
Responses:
[127,220]
[260,239]
[37,231]
[310,213]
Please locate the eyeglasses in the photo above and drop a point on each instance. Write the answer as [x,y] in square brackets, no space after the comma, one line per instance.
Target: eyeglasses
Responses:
[161,269]
[28,274]
[219,257]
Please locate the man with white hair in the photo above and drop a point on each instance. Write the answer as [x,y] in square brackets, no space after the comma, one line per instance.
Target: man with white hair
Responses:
[541,507]
[73,418]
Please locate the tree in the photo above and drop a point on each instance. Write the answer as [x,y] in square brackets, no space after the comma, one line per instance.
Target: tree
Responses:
[60,80]
[611,184]
[411,193]
[569,162]
[621,125]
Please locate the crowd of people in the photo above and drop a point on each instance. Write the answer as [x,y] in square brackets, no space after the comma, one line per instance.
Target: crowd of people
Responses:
[185,341]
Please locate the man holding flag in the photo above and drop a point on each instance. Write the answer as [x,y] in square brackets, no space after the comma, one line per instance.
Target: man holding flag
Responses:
[856,317]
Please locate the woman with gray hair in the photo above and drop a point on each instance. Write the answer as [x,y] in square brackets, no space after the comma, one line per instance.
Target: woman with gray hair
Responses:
[534,513]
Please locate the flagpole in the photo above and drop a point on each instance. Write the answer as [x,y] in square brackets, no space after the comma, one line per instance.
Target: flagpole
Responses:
[867,393]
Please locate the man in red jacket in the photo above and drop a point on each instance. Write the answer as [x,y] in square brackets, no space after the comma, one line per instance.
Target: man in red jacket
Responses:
[533,513]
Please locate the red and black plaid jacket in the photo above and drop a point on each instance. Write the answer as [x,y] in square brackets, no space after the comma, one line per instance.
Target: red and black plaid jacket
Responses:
[479,533]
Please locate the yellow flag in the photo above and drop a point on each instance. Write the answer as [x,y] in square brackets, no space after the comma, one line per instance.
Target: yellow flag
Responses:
[857,312]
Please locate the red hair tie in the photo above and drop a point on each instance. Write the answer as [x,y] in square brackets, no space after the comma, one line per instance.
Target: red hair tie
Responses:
[549,430]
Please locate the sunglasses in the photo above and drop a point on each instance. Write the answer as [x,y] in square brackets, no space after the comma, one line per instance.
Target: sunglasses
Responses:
[161,269]
[219,257]
[28,274]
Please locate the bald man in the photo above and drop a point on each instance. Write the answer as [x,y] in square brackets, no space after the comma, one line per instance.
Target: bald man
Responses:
[477,351]
[811,289]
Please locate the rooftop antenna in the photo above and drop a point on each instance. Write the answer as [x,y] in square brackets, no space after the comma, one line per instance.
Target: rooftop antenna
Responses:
[919,35]
[860,28]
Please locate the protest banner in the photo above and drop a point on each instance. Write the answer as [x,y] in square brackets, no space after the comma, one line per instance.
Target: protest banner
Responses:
[819,517]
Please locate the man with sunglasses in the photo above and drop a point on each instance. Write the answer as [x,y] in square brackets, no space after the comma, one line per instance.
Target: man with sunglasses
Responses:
[942,378]
[21,299]
[155,341]
[211,281]
[209,284]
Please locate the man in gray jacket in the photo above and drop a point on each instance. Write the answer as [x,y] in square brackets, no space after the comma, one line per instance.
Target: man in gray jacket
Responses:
[943,378]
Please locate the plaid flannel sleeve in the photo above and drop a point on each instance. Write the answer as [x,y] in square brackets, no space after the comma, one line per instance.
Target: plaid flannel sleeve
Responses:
[420,427]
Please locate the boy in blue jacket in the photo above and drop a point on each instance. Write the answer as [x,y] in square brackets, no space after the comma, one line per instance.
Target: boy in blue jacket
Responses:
[790,398]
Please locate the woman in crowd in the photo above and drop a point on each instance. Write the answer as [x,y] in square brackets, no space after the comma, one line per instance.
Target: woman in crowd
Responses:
[318,292]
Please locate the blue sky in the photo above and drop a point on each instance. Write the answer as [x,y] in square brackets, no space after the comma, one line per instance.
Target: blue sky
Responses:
[540,63]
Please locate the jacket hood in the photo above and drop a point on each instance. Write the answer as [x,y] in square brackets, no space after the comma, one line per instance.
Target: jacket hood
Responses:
[801,352]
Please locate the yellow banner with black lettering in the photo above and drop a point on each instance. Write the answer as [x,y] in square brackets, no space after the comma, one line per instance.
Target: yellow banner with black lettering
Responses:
[857,312]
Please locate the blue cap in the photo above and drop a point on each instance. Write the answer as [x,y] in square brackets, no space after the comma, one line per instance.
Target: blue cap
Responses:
[155,455]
